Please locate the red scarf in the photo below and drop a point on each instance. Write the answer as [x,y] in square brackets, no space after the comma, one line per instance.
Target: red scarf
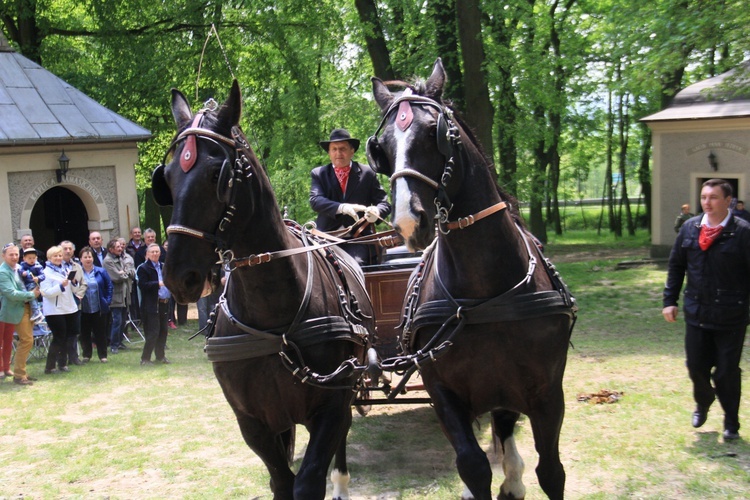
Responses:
[708,235]
[342,174]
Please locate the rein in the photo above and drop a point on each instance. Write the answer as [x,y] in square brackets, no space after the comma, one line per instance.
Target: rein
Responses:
[289,341]
[454,314]
[385,239]
[242,165]
[451,315]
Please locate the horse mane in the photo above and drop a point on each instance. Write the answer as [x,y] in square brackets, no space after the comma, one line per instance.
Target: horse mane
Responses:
[419,87]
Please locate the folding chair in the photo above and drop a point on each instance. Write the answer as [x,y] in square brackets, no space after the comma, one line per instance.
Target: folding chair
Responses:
[42,339]
[132,323]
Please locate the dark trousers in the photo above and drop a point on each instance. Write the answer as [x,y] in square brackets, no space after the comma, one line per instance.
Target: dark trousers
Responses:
[72,340]
[108,325]
[365,255]
[119,317]
[155,331]
[61,325]
[94,328]
[181,317]
[722,350]
[182,310]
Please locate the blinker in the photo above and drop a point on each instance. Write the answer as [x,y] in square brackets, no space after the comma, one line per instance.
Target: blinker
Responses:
[405,114]
[187,160]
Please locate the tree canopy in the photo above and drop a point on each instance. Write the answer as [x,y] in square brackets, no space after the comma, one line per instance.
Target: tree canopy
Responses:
[553,88]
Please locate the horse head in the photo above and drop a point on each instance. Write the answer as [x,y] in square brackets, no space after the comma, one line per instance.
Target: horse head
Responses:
[420,150]
[207,176]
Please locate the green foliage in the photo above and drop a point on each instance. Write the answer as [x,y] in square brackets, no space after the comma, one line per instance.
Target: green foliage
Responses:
[304,70]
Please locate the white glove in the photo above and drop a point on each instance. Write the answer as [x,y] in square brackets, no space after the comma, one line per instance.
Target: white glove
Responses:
[351,210]
[372,214]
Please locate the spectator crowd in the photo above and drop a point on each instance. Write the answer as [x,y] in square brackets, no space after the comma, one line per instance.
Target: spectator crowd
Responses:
[87,301]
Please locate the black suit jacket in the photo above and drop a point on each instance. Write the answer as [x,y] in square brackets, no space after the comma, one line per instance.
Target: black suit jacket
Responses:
[99,262]
[140,255]
[362,188]
[148,284]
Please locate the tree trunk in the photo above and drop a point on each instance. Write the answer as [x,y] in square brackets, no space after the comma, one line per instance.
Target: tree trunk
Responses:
[507,105]
[20,24]
[644,173]
[374,39]
[554,178]
[479,112]
[446,42]
[607,194]
[555,119]
[624,138]
[538,174]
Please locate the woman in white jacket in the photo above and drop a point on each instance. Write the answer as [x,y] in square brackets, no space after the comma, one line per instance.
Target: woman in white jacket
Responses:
[59,308]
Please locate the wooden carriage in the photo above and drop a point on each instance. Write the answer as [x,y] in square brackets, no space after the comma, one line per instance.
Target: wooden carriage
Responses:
[386,284]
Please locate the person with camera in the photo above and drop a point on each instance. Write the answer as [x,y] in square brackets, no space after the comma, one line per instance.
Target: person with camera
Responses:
[60,308]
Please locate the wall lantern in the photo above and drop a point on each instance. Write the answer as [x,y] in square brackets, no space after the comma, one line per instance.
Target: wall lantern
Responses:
[713,162]
[62,172]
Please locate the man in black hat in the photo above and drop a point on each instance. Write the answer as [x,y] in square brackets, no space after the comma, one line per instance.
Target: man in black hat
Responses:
[344,189]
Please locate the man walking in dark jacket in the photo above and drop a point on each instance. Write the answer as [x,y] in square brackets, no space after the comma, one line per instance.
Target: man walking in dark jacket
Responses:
[713,251]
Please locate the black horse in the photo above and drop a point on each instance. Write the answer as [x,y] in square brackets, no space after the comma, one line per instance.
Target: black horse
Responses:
[293,321]
[487,317]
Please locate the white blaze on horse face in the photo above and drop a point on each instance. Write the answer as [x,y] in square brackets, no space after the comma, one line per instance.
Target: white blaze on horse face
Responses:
[406,221]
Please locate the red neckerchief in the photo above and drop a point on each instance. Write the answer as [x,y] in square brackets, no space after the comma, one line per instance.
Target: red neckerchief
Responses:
[342,174]
[708,235]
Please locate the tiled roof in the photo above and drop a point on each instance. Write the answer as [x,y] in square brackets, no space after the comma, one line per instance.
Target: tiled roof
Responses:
[723,96]
[36,107]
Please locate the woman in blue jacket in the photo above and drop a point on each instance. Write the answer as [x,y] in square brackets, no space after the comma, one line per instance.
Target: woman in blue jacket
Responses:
[94,307]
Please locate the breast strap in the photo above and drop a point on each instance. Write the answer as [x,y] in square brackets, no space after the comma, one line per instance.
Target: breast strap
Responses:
[257,343]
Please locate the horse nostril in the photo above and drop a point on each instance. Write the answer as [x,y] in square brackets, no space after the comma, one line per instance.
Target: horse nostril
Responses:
[424,222]
[193,279]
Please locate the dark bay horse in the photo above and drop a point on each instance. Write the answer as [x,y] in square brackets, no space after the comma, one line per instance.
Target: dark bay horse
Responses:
[292,322]
[484,302]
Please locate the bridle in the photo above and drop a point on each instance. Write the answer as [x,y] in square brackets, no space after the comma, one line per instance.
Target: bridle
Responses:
[233,171]
[448,139]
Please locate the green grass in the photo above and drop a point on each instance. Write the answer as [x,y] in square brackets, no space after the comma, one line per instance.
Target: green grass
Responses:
[122,431]
[577,241]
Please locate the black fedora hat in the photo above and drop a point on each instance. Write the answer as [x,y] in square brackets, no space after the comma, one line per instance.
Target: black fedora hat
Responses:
[339,135]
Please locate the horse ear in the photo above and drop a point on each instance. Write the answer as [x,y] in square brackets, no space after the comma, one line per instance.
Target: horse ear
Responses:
[382,95]
[434,84]
[181,109]
[231,111]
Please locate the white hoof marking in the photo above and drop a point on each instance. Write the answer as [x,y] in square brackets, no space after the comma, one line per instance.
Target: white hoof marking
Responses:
[513,467]
[340,485]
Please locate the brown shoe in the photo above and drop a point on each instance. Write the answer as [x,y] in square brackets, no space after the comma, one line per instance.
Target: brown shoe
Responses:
[22,381]
[9,373]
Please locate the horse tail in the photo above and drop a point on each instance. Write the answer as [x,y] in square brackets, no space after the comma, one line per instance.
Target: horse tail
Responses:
[287,441]
[497,445]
